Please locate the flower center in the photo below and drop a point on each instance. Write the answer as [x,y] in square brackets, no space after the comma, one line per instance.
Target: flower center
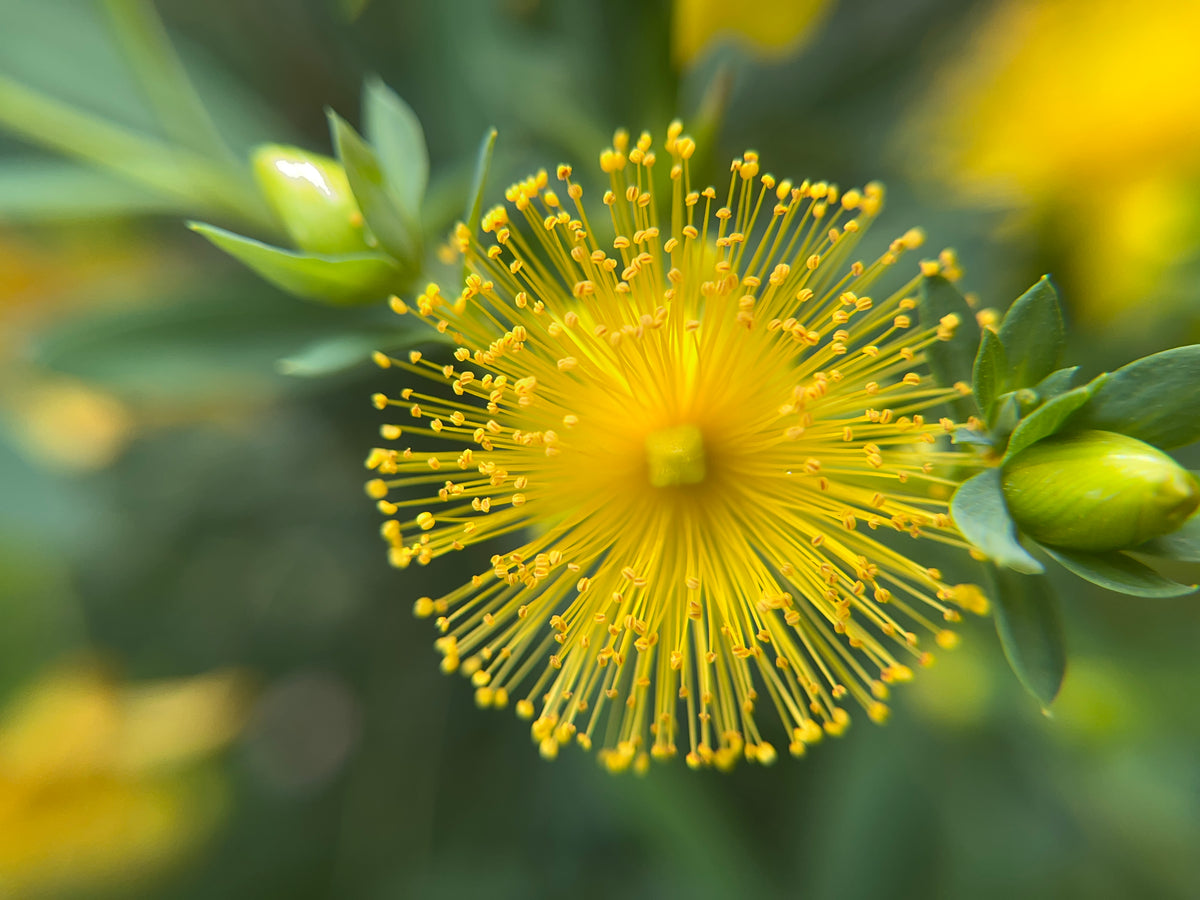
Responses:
[675,456]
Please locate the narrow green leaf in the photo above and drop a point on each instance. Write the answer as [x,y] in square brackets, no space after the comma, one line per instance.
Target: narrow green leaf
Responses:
[1033,334]
[1182,544]
[1154,399]
[990,372]
[1030,629]
[1119,573]
[395,132]
[963,435]
[328,356]
[950,361]
[163,78]
[344,280]
[1048,418]
[398,233]
[1006,413]
[331,355]
[1057,382]
[979,512]
[196,182]
[474,211]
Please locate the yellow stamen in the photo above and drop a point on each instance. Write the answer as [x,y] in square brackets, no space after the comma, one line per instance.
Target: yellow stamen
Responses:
[731,348]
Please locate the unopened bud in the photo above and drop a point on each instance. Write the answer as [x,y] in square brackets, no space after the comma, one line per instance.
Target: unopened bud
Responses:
[1097,491]
[312,198]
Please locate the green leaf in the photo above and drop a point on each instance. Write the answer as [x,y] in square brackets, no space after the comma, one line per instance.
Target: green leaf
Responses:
[195,181]
[990,372]
[1006,413]
[395,132]
[331,355]
[343,280]
[1033,334]
[1050,417]
[397,232]
[1119,573]
[1030,629]
[954,360]
[963,435]
[979,512]
[163,78]
[474,211]
[1057,382]
[1183,544]
[1154,399]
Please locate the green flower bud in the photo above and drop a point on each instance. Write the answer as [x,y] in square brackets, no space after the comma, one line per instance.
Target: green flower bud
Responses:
[312,198]
[1097,491]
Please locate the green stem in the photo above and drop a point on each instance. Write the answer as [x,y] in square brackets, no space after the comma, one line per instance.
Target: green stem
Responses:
[173,172]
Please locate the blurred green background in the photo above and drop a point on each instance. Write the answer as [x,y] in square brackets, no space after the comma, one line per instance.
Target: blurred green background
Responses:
[211,684]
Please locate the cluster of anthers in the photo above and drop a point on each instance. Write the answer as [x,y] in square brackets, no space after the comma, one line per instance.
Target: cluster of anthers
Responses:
[699,443]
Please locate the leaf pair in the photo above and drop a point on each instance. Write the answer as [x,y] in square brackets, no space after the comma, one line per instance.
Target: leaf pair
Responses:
[389,171]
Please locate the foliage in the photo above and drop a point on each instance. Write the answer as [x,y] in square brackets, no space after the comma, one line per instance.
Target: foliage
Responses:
[1024,398]
[222,528]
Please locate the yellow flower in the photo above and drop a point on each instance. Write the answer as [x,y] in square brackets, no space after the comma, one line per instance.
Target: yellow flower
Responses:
[51,414]
[771,28]
[688,442]
[1087,114]
[101,784]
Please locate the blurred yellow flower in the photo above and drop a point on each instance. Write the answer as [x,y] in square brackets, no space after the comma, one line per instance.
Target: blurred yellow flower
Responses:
[1086,113]
[101,784]
[65,423]
[769,28]
[702,428]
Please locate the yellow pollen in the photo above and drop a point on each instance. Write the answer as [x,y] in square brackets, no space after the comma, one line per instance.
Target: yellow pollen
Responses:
[675,456]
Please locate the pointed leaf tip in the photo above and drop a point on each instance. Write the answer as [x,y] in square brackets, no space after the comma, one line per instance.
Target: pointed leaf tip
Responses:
[1033,334]
[1119,572]
[474,211]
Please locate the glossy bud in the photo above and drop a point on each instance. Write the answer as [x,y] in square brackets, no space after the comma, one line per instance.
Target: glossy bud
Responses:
[312,199]
[1097,491]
